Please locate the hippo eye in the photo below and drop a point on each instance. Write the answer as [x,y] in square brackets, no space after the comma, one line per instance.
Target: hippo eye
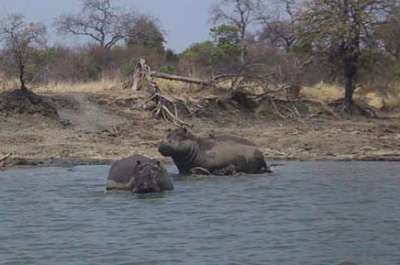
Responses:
[156,163]
[185,130]
[138,162]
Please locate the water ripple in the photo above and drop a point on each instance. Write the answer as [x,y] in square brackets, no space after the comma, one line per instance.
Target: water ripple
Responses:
[306,213]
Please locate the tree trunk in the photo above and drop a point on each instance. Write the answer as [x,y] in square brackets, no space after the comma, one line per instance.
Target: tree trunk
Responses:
[350,63]
[243,46]
[242,55]
[181,78]
[22,76]
[349,89]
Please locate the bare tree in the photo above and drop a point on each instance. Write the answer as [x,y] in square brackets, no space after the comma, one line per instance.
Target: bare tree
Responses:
[19,39]
[389,34]
[146,32]
[100,21]
[279,29]
[343,28]
[241,14]
[287,66]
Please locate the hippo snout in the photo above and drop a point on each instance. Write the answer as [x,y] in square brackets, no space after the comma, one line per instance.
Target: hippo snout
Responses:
[165,149]
[146,181]
[146,188]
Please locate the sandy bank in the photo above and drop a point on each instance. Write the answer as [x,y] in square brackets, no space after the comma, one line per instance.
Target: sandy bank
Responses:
[101,126]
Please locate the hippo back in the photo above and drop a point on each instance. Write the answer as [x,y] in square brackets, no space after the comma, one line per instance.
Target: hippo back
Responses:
[222,154]
[213,153]
[232,139]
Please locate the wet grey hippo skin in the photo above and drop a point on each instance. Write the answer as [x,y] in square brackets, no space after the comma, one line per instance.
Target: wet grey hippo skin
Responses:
[139,174]
[218,155]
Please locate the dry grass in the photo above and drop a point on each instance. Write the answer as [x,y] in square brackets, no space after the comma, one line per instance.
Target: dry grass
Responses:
[7,84]
[323,92]
[101,86]
[184,91]
[372,98]
[390,98]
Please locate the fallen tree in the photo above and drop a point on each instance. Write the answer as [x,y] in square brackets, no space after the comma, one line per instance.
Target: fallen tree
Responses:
[265,105]
[162,106]
[181,79]
[144,73]
[284,101]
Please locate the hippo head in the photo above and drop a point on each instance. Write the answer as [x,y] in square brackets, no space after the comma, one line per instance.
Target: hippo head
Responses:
[177,142]
[148,177]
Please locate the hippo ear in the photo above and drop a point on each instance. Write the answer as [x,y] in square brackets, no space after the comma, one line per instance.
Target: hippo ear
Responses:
[185,130]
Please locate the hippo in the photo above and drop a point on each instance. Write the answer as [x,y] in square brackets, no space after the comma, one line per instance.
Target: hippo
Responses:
[139,174]
[215,154]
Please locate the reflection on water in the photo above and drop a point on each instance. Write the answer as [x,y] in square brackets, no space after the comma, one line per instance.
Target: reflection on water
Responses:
[306,213]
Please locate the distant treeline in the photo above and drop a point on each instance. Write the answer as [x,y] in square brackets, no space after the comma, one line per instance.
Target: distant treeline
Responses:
[290,42]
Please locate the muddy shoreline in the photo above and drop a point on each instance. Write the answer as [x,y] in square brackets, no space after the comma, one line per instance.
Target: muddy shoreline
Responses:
[22,163]
[95,128]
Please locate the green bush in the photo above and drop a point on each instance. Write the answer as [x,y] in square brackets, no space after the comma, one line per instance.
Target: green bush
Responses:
[168,69]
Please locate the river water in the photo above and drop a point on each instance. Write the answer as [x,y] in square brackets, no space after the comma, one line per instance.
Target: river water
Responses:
[305,213]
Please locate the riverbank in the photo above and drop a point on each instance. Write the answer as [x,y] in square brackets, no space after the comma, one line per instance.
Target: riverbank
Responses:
[97,125]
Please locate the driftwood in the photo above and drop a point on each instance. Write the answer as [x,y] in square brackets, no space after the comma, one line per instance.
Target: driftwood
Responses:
[181,79]
[162,106]
[3,160]
[142,71]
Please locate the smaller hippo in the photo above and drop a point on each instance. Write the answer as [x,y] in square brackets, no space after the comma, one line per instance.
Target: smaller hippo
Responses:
[139,174]
[215,154]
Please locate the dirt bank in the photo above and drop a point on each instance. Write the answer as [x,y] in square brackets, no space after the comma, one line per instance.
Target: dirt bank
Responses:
[99,126]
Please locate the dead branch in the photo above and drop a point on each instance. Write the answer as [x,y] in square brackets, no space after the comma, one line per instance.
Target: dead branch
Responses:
[277,110]
[223,76]
[141,72]
[287,108]
[163,107]
[4,158]
[181,78]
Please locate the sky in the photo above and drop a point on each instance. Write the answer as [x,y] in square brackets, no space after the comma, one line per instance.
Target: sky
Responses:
[184,21]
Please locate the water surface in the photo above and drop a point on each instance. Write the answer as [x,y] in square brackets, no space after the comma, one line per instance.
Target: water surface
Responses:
[306,213]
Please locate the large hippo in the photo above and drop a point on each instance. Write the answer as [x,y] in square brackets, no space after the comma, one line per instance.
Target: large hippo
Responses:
[218,155]
[139,174]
